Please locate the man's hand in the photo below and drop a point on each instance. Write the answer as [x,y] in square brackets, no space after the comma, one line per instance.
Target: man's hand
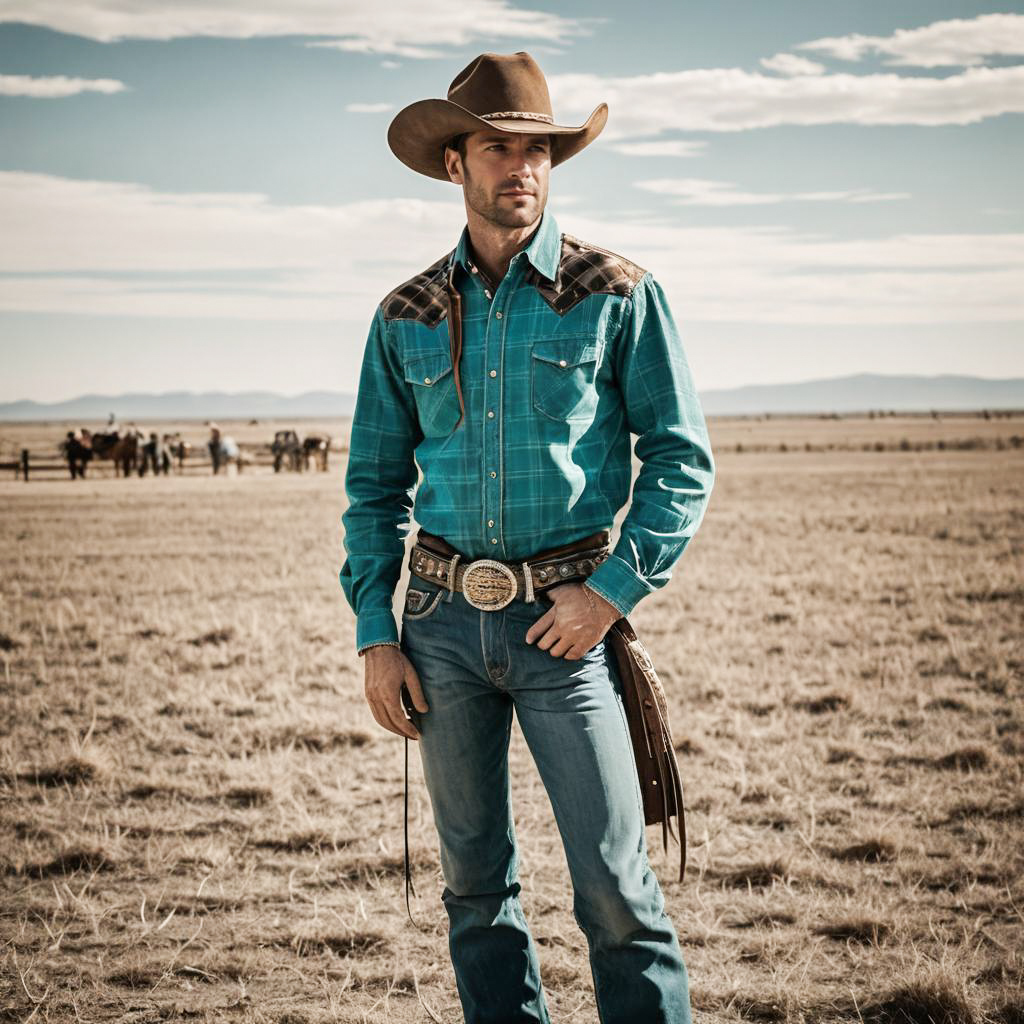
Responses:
[578,619]
[387,668]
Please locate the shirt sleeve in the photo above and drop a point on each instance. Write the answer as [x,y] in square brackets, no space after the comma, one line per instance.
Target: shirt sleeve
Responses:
[672,488]
[380,481]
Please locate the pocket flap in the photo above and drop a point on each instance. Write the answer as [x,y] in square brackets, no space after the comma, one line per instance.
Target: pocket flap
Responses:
[427,368]
[415,599]
[566,352]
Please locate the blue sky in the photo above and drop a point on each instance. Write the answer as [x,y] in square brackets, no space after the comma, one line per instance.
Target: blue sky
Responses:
[203,198]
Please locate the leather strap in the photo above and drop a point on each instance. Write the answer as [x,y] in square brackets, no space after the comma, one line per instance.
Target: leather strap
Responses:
[455,333]
[646,709]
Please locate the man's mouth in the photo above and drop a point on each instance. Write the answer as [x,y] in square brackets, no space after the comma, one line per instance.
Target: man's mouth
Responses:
[516,192]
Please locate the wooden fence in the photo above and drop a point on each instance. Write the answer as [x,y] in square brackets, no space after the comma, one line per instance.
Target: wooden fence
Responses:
[30,466]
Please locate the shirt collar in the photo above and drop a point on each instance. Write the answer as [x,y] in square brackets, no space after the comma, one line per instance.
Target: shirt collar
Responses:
[543,251]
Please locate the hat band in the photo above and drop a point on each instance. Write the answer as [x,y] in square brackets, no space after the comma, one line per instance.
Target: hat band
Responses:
[517,115]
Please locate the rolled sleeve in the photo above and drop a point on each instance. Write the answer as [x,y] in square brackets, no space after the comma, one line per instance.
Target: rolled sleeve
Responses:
[672,488]
[380,481]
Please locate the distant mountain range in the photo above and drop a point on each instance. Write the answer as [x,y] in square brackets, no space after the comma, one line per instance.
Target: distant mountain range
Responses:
[859,393]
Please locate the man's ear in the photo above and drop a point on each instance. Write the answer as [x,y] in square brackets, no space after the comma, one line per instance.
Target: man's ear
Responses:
[453,163]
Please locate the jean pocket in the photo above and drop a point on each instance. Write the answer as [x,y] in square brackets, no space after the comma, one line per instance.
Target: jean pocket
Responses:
[563,376]
[422,599]
[433,387]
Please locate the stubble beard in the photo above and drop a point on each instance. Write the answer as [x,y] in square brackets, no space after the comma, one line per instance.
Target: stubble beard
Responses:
[492,210]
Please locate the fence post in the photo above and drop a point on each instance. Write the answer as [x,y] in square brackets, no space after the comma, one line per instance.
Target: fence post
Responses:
[24,463]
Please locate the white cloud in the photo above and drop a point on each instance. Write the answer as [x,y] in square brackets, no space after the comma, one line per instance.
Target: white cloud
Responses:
[56,86]
[368,108]
[662,147]
[704,192]
[732,99]
[954,42]
[406,28]
[791,64]
[115,249]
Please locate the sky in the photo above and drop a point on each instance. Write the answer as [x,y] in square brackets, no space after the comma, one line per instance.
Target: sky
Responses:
[201,196]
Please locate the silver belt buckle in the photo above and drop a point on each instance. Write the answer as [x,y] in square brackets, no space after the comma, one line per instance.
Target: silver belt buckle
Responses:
[489,585]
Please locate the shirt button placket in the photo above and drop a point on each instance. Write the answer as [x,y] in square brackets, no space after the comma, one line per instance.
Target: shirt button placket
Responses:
[492,432]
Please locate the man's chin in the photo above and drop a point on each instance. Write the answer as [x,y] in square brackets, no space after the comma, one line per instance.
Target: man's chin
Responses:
[520,216]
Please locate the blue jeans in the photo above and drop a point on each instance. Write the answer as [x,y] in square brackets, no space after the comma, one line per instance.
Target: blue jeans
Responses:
[475,667]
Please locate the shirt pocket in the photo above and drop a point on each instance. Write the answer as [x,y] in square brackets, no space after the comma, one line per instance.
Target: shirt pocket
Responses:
[433,386]
[563,376]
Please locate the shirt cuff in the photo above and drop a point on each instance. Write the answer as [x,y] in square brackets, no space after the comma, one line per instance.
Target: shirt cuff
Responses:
[618,583]
[383,643]
[375,626]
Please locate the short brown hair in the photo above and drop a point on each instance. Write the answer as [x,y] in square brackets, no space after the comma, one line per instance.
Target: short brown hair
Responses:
[458,142]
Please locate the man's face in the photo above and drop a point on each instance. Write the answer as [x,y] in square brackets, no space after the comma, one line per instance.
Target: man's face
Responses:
[504,175]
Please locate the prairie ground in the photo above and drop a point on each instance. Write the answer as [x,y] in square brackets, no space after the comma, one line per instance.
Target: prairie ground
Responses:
[202,821]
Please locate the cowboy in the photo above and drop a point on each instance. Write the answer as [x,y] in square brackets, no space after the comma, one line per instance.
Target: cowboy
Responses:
[215,446]
[513,371]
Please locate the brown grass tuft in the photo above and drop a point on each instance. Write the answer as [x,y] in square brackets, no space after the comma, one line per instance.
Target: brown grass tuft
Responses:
[935,1001]
[859,929]
[965,759]
[761,873]
[74,858]
[72,771]
[825,704]
[216,637]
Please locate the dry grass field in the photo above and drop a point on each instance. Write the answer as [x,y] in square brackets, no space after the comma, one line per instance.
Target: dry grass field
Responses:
[202,821]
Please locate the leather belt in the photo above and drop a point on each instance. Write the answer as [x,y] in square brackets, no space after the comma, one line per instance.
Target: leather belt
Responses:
[490,584]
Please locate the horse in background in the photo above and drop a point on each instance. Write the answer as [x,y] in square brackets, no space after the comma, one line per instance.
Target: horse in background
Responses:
[287,451]
[78,451]
[123,451]
[314,452]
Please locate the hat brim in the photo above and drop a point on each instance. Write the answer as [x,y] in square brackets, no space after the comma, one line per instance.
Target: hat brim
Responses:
[418,132]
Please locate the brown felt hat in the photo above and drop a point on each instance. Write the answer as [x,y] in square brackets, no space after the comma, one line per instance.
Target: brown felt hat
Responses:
[496,90]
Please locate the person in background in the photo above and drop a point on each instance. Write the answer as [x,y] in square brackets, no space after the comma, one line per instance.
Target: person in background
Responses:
[214,445]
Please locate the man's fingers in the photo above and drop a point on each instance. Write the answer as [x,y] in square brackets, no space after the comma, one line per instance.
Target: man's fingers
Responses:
[379,717]
[540,625]
[564,644]
[412,682]
[395,713]
[549,638]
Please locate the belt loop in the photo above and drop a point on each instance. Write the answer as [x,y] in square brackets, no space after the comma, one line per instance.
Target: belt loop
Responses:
[451,574]
[528,581]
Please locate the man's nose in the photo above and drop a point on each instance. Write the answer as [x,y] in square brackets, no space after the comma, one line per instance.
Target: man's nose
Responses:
[519,166]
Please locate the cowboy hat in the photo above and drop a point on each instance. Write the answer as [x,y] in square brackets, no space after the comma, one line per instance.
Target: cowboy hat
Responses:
[496,90]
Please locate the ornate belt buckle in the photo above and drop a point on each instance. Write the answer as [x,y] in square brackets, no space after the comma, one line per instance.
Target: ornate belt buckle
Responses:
[489,585]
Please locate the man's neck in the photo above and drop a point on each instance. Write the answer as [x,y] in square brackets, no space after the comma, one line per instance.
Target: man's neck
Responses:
[493,246]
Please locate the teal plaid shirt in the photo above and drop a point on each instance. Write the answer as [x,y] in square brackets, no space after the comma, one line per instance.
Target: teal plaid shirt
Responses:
[570,353]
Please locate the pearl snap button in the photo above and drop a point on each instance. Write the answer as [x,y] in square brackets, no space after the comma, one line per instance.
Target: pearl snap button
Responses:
[494,373]
[490,522]
[493,474]
[488,294]
[497,316]
[494,540]
[426,380]
[490,414]
[561,362]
